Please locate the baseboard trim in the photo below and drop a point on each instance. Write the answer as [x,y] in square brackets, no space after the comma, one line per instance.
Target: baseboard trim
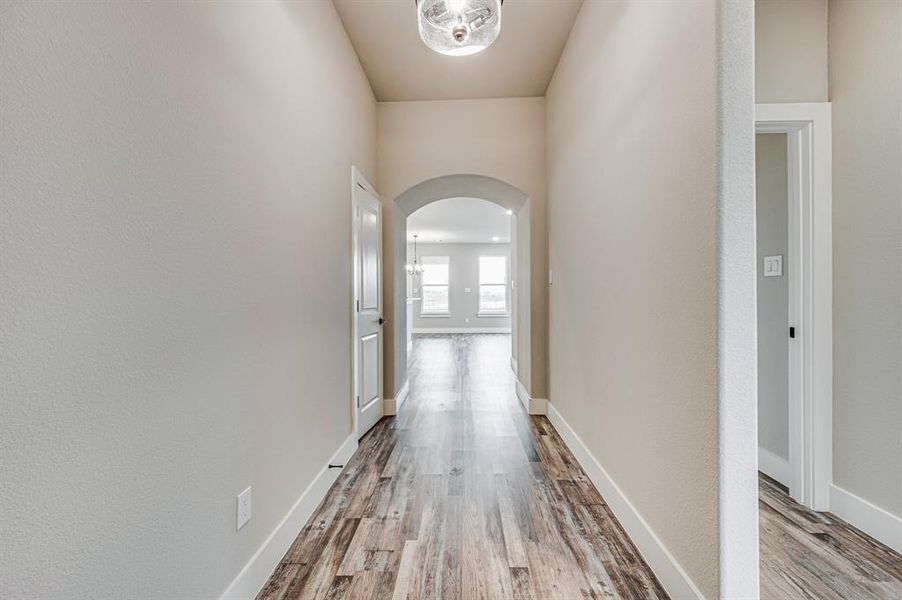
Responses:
[881,525]
[256,572]
[669,572]
[775,467]
[533,406]
[391,406]
[461,330]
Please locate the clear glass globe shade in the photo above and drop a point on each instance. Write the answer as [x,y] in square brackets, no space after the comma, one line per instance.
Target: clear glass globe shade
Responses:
[459,27]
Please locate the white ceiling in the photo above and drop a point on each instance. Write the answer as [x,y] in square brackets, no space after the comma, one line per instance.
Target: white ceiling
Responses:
[400,67]
[460,221]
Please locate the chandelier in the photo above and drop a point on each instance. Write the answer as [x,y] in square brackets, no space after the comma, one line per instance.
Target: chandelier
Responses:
[415,268]
[459,27]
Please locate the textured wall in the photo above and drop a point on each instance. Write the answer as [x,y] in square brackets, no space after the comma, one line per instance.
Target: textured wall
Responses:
[790,50]
[772,231]
[633,246]
[866,91]
[175,267]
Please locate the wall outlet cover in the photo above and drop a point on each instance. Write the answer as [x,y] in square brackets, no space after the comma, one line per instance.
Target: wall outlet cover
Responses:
[244,508]
[773,266]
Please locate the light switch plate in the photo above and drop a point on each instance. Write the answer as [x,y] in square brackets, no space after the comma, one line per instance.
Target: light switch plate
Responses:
[773,266]
[244,508]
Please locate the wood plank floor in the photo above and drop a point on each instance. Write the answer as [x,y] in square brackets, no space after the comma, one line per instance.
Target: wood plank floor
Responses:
[805,554]
[465,496]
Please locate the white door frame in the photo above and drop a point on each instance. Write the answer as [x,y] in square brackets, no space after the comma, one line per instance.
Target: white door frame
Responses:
[357,179]
[810,258]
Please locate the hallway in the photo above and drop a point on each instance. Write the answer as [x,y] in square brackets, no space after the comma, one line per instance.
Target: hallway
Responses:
[462,496]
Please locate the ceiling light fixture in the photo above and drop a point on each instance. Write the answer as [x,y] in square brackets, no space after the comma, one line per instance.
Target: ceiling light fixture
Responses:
[415,268]
[459,27]
[510,212]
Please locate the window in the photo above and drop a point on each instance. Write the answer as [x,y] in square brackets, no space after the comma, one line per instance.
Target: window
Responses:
[435,285]
[492,285]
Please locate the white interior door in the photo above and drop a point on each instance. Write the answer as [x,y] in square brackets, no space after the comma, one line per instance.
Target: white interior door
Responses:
[367,308]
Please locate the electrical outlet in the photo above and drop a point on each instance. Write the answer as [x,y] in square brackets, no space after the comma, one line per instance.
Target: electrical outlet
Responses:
[244,508]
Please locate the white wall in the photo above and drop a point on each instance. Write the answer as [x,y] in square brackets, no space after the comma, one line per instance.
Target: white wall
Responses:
[174,261]
[790,50]
[464,274]
[499,138]
[866,91]
[772,230]
[633,245]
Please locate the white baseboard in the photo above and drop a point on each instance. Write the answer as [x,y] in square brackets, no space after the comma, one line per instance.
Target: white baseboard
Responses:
[391,406]
[533,406]
[669,572]
[775,467]
[461,330]
[881,525]
[256,572]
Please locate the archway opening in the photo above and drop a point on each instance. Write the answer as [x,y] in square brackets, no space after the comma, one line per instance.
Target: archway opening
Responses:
[512,201]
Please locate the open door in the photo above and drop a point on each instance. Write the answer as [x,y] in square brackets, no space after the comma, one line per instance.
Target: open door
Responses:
[367,308]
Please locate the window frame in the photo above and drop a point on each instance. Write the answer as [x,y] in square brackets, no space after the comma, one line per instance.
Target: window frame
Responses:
[435,314]
[506,283]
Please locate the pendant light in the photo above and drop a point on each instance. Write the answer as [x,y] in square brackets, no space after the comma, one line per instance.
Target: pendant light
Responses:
[415,268]
[459,27]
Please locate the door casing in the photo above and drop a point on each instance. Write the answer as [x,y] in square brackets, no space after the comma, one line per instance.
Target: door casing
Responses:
[808,131]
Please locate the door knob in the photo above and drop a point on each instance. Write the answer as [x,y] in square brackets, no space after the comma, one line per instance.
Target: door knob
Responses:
[381,320]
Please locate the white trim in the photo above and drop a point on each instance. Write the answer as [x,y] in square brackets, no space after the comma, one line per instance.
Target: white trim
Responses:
[416,330]
[775,467]
[808,131]
[533,406]
[391,406]
[256,572]
[438,315]
[513,364]
[881,525]
[668,571]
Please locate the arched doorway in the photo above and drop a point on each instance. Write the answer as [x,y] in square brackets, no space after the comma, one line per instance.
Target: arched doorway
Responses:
[455,186]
